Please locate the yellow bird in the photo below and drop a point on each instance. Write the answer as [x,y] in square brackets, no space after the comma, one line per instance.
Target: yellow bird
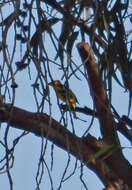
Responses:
[65,94]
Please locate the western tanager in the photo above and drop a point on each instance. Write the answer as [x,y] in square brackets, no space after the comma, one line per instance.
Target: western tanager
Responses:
[65,94]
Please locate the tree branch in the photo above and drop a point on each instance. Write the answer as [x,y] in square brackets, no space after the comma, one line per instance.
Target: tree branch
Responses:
[102,105]
[45,126]
[99,95]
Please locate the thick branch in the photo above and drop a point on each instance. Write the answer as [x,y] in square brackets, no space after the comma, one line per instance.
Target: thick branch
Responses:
[107,124]
[98,94]
[45,126]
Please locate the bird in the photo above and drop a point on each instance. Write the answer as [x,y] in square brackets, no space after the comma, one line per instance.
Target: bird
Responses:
[65,94]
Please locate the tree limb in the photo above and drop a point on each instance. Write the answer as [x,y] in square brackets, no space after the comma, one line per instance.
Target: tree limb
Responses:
[45,126]
[102,106]
[98,93]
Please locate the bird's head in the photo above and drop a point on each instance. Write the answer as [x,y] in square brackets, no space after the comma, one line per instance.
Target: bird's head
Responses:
[56,84]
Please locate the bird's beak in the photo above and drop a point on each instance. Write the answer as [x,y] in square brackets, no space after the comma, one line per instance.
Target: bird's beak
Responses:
[50,83]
